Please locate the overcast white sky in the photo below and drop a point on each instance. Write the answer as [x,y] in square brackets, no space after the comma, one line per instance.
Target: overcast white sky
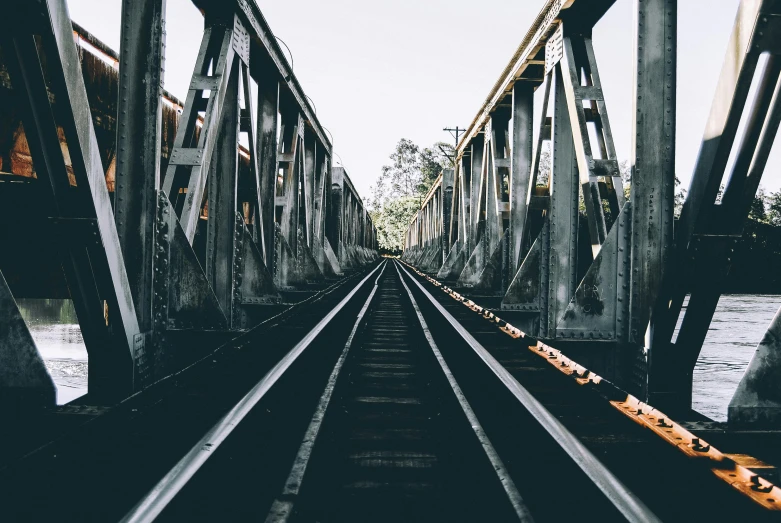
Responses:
[381,70]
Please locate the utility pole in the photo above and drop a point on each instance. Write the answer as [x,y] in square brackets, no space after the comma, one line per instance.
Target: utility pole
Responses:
[455,133]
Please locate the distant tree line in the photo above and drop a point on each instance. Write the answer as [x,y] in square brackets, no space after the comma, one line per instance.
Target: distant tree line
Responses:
[405,180]
[401,186]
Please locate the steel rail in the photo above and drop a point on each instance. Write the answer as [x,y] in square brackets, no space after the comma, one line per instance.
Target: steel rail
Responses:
[155,501]
[624,500]
[510,489]
[282,507]
[733,469]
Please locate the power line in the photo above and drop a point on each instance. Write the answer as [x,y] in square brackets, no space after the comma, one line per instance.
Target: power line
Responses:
[288,50]
[455,133]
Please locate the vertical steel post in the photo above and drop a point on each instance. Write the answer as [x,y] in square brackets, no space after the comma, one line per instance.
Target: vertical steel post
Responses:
[336,212]
[560,243]
[520,168]
[448,179]
[653,158]
[139,116]
[697,235]
[268,110]
[477,175]
[222,199]
[308,185]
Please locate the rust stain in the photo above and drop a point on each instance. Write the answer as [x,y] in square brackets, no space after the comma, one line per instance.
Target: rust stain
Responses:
[733,469]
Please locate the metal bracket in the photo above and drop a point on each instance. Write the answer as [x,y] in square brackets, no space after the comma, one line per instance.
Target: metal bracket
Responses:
[241,42]
[554,49]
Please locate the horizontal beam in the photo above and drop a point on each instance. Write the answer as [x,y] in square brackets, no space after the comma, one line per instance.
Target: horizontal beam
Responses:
[349,184]
[434,186]
[429,194]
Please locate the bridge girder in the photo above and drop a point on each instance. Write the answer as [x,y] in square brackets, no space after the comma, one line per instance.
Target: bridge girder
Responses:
[617,302]
[200,253]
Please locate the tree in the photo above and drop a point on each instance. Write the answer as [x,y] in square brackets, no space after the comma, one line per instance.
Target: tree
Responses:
[392,222]
[625,170]
[401,185]
[403,174]
[774,209]
[757,209]
[401,179]
[680,197]
[543,170]
[433,160]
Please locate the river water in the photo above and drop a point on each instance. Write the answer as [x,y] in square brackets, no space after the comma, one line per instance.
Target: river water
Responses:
[56,332]
[738,326]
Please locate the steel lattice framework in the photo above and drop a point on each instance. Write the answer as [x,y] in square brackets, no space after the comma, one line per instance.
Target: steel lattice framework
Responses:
[493,227]
[196,237]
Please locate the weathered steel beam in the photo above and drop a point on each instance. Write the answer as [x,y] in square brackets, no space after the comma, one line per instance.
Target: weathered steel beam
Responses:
[587,12]
[336,211]
[290,164]
[139,122]
[547,278]
[707,231]
[24,380]
[653,164]
[191,157]
[465,221]
[498,178]
[308,187]
[266,152]
[453,231]
[248,128]
[91,253]
[520,170]
[262,36]
[559,248]
[223,205]
[448,181]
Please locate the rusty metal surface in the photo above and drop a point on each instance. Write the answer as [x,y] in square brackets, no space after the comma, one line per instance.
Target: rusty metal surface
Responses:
[741,478]
[98,146]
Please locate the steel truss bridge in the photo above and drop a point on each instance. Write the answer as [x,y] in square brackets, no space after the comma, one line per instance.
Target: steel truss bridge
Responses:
[251,357]
[572,259]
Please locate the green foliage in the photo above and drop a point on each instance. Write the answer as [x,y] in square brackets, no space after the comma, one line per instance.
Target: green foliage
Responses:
[432,161]
[397,193]
[757,210]
[402,178]
[764,208]
[392,222]
[543,170]
[680,197]
[774,209]
[403,183]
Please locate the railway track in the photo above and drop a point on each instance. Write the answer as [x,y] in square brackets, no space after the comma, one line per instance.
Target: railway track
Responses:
[392,436]
[80,463]
[383,400]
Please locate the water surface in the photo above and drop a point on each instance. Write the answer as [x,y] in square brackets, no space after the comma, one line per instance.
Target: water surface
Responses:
[55,329]
[737,327]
